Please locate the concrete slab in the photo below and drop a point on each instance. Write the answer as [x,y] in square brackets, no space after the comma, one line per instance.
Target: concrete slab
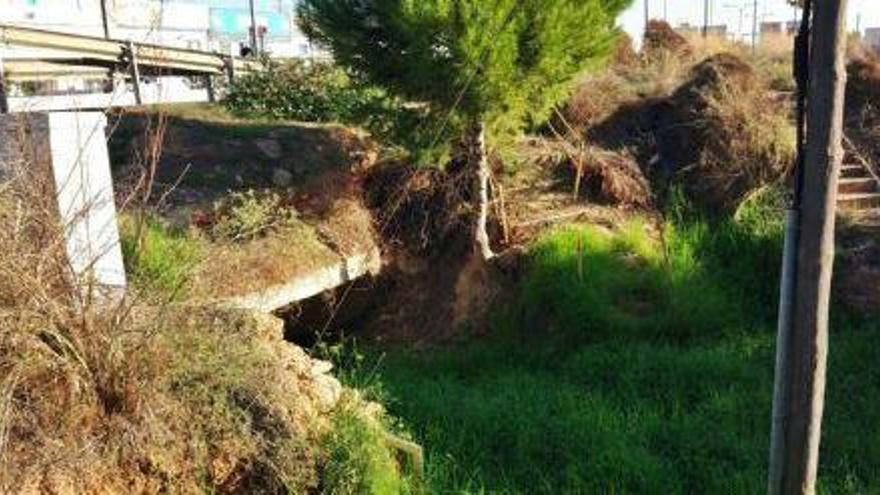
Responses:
[330,277]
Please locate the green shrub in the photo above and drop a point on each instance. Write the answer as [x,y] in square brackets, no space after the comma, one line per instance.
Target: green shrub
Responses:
[321,92]
[249,215]
[314,92]
[358,460]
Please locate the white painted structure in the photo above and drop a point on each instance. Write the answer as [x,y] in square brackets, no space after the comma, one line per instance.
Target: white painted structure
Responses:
[71,149]
[164,90]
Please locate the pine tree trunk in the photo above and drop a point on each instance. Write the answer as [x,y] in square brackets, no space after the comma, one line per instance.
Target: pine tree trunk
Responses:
[480,163]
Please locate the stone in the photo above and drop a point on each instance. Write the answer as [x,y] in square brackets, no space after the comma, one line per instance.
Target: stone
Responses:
[69,149]
[320,367]
[328,391]
[270,147]
[282,177]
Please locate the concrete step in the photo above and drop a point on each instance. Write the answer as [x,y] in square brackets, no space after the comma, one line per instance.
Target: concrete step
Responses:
[858,201]
[849,170]
[852,185]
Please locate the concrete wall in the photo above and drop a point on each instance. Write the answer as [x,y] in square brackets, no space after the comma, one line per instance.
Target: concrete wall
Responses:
[165,90]
[69,150]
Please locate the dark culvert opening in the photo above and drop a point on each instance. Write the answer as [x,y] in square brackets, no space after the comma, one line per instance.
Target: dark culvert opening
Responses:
[333,314]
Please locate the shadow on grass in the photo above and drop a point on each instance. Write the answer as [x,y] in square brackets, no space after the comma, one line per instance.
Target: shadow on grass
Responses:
[632,366]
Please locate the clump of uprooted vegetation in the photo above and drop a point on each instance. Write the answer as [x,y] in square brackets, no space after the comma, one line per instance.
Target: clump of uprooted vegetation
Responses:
[863,87]
[110,395]
[694,118]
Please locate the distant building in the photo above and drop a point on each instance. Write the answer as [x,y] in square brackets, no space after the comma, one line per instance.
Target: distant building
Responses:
[872,38]
[774,27]
[210,25]
[719,30]
[219,25]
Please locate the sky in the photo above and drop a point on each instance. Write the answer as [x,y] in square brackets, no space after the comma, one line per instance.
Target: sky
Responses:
[728,12]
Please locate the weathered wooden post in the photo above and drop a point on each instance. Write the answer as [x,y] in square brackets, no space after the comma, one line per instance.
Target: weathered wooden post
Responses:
[229,65]
[801,363]
[209,87]
[134,71]
[4,99]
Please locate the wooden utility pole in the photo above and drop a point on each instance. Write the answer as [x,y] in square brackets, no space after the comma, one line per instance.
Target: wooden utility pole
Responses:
[4,101]
[800,391]
[254,47]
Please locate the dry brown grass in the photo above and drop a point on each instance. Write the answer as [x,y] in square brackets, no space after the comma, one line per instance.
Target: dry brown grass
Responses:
[127,396]
[863,87]
[231,269]
[661,38]
[724,133]
[607,177]
[715,126]
[749,143]
[118,397]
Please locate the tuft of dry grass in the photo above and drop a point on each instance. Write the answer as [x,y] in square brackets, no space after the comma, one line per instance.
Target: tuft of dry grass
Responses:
[610,177]
[750,142]
[660,38]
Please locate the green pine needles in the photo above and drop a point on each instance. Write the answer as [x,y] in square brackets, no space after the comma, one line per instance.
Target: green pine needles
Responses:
[505,63]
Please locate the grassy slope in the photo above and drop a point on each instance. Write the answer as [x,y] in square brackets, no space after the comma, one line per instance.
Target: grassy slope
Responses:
[636,370]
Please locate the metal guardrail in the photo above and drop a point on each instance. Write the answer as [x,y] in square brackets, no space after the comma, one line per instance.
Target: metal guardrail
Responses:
[79,55]
[97,51]
[22,70]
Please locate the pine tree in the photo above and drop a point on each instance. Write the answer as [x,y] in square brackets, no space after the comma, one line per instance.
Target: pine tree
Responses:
[484,67]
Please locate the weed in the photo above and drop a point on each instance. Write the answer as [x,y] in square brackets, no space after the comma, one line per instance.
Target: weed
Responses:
[157,257]
[358,461]
[248,215]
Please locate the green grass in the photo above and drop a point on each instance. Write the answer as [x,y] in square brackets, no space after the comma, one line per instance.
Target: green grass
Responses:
[157,257]
[631,365]
[357,459]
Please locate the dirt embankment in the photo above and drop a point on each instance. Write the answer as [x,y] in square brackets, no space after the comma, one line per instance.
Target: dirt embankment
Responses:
[718,135]
[200,172]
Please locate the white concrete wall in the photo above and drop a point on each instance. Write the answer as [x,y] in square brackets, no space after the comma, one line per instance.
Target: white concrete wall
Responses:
[168,90]
[86,202]
[70,148]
